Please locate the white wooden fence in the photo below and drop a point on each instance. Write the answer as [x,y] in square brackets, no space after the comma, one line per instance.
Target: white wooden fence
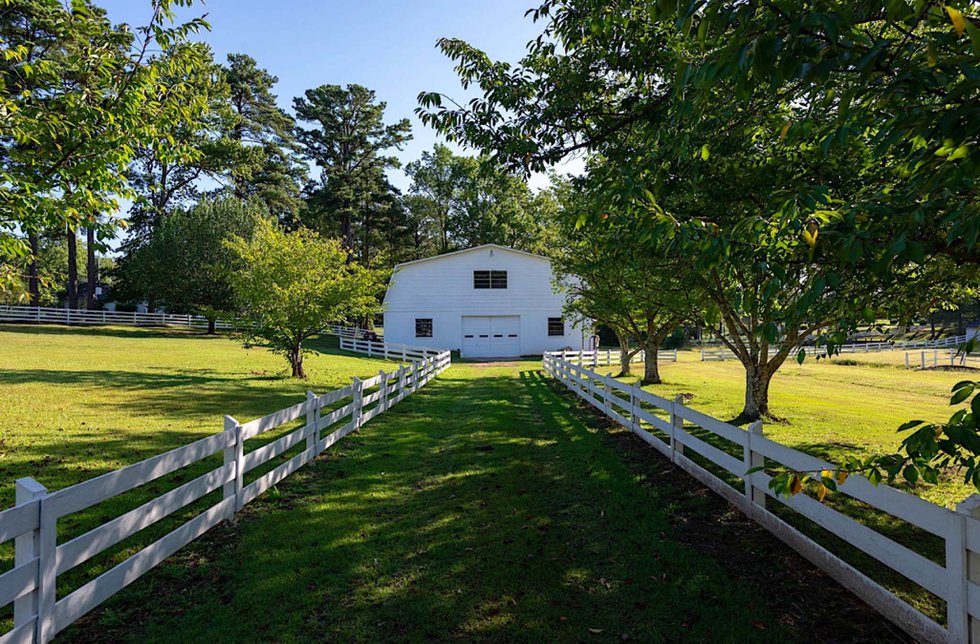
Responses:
[607,357]
[51,315]
[677,430]
[934,358]
[380,349]
[31,585]
[857,347]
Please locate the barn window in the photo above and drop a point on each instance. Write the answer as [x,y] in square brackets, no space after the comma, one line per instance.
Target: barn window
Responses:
[423,327]
[556,326]
[489,279]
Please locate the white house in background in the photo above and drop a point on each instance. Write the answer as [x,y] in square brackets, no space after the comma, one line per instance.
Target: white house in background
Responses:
[488,302]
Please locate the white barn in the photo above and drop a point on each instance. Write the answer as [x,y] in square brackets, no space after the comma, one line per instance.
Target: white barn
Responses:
[488,302]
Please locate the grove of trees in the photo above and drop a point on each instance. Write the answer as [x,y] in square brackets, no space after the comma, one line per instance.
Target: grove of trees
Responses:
[811,166]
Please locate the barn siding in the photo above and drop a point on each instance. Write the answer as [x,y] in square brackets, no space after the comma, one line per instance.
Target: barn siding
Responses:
[441,288]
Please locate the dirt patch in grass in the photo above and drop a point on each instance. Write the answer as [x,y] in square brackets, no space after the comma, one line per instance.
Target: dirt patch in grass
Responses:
[802,597]
[492,363]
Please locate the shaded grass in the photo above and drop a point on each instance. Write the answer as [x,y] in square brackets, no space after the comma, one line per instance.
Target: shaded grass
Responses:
[481,507]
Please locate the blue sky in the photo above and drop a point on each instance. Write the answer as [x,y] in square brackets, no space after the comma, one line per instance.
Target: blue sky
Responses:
[387,46]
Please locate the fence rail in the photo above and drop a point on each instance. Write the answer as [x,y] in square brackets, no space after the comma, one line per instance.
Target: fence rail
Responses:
[390,351]
[84,317]
[680,432]
[31,585]
[935,358]
[857,347]
[607,357]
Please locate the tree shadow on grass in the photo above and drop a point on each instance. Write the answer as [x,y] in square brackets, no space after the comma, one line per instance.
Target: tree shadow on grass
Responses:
[107,331]
[477,508]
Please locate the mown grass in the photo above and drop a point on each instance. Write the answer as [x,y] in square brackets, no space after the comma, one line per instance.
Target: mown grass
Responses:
[827,409]
[482,507]
[80,402]
[832,408]
[76,403]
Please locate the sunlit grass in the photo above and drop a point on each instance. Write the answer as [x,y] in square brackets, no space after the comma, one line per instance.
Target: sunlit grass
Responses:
[827,409]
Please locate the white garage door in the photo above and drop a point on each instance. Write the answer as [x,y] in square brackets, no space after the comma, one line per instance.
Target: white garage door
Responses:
[496,336]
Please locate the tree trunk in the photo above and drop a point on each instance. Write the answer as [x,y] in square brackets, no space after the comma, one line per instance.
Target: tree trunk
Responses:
[72,270]
[91,269]
[212,330]
[757,381]
[651,371]
[34,282]
[296,362]
[625,359]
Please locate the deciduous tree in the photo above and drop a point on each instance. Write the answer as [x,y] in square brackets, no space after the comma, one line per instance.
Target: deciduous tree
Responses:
[290,285]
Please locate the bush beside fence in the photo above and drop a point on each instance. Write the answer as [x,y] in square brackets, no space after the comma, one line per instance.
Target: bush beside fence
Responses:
[32,524]
[957,582]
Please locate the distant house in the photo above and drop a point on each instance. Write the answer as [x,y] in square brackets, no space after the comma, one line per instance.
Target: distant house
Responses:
[488,302]
[973,330]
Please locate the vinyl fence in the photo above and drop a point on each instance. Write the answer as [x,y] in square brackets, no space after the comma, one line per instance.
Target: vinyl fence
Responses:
[726,453]
[610,357]
[857,347]
[31,585]
[51,315]
[935,358]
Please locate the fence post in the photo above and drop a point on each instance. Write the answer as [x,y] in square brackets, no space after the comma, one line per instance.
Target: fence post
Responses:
[47,574]
[702,354]
[313,418]
[606,391]
[676,425]
[369,343]
[358,402]
[907,366]
[753,493]
[383,398]
[969,511]
[27,547]
[234,454]
[633,403]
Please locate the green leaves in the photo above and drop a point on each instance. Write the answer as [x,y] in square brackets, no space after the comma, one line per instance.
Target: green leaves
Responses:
[961,391]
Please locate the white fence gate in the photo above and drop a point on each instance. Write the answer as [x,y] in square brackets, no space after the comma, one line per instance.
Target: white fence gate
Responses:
[667,424]
[31,585]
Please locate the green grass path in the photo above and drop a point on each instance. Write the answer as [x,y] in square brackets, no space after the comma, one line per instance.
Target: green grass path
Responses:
[481,507]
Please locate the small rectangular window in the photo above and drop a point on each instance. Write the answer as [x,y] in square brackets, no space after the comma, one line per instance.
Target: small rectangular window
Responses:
[489,279]
[556,326]
[423,327]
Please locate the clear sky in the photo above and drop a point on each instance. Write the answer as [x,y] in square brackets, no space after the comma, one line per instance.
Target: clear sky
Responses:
[385,45]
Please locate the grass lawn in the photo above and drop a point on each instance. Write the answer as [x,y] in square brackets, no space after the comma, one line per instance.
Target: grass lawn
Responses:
[76,403]
[830,409]
[80,402]
[482,507]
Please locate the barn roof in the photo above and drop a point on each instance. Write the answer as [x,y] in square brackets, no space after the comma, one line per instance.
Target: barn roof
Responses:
[470,250]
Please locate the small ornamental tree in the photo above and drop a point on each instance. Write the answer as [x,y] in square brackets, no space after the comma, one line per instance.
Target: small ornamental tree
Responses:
[290,285]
